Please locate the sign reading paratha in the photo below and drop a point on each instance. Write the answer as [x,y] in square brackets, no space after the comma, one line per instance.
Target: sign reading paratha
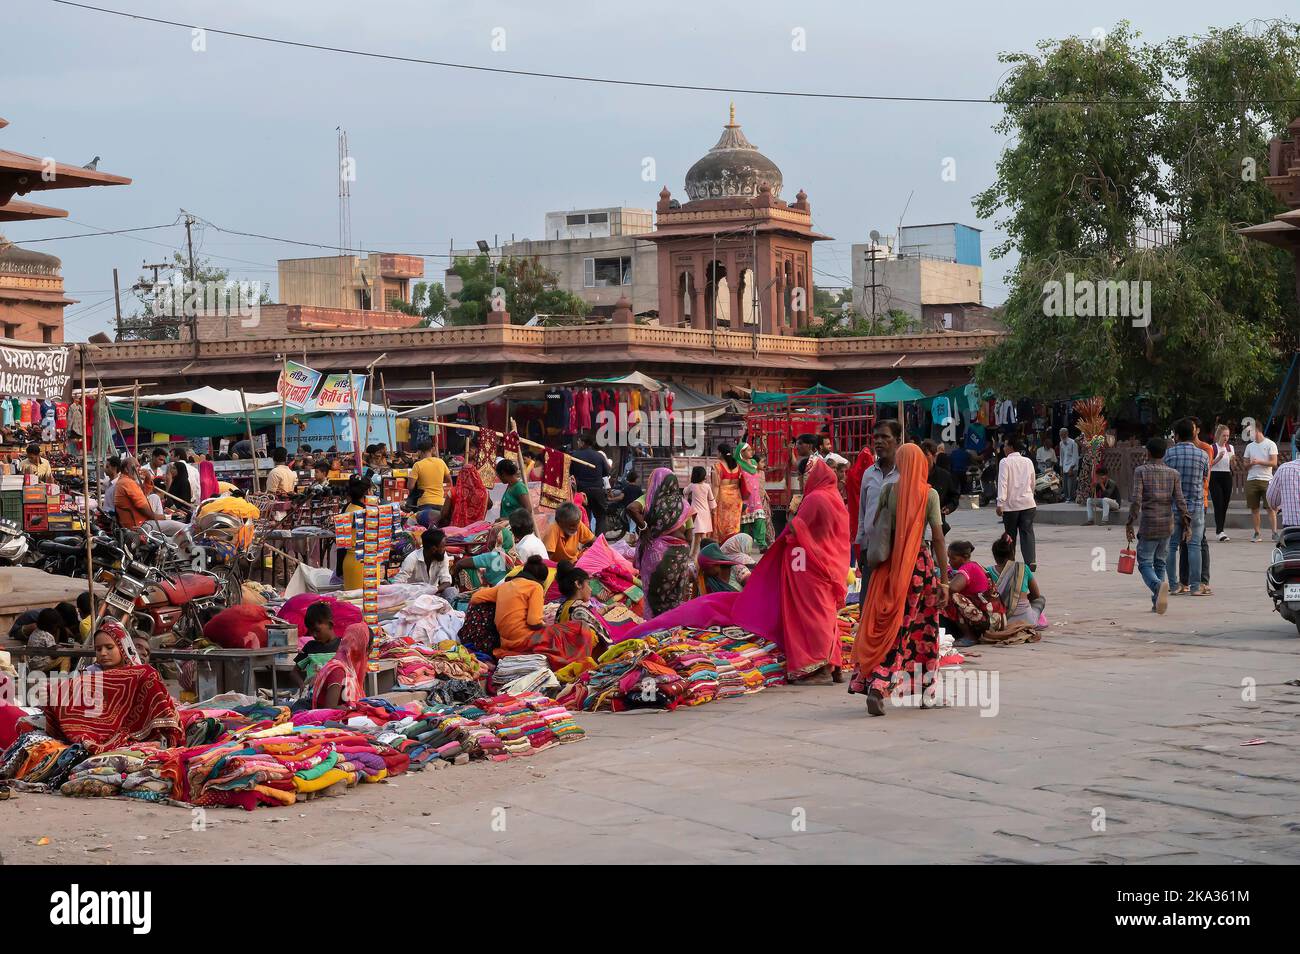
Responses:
[38,373]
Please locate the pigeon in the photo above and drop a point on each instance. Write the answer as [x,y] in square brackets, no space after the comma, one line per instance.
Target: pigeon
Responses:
[93,164]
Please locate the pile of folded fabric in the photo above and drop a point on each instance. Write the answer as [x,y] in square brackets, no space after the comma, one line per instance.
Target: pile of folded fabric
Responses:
[420,666]
[510,668]
[848,626]
[36,759]
[630,675]
[103,775]
[529,723]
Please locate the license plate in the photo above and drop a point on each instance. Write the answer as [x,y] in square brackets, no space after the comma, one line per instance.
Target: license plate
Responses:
[1291,593]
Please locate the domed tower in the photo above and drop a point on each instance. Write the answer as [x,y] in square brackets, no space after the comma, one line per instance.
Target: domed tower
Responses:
[734,257]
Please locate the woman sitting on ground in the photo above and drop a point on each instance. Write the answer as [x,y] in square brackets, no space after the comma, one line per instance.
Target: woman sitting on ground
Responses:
[521,626]
[341,682]
[1016,586]
[575,586]
[973,609]
[114,648]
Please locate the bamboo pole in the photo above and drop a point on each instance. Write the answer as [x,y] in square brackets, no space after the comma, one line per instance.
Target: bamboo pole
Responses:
[135,421]
[522,440]
[248,423]
[85,482]
[356,423]
[433,399]
[284,404]
[388,413]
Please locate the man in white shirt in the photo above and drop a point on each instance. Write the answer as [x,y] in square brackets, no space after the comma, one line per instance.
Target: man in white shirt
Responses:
[884,444]
[282,479]
[429,565]
[527,542]
[1261,454]
[108,486]
[1016,504]
[1067,451]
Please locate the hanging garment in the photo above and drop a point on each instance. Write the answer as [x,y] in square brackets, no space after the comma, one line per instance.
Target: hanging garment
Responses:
[555,478]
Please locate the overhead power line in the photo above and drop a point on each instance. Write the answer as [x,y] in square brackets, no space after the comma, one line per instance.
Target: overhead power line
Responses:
[59,238]
[645,84]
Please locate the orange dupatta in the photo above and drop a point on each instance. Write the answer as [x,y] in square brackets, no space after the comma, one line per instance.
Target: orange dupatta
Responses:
[886,596]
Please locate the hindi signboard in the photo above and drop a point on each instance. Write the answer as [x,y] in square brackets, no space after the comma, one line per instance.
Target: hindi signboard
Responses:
[296,384]
[40,372]
[335,394]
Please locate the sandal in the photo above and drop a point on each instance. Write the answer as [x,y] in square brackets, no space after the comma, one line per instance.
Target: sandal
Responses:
[1204,591]
[875,702]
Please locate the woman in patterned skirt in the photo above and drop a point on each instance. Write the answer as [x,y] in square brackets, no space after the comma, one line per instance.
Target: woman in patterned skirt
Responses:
[897,643]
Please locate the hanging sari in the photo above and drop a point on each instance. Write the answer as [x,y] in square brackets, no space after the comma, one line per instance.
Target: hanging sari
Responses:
[727,512]
[664,560]
[796,591]
[898,632]
[753,498]
[471,503]
[348,667]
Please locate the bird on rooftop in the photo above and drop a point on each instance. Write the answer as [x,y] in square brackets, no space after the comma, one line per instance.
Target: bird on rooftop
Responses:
[93,164]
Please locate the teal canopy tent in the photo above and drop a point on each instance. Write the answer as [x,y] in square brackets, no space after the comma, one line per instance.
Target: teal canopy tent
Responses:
[896,392]
[196,425]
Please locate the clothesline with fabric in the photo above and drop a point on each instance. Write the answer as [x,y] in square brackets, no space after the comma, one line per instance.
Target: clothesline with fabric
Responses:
[522,440]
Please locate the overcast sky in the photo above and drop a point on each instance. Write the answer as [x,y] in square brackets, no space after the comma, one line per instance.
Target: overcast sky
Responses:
[243,134]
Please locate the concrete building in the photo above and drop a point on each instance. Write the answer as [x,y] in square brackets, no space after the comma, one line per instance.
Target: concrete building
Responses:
[596,257]
[372,283]
[932,272]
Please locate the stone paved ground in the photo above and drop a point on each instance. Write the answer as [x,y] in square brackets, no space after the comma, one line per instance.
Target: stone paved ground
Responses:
[1119,710]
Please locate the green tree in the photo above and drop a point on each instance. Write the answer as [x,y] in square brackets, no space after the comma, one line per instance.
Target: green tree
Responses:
[528,289]
[856,325]
[145,324]
[430,302]
[1108,178]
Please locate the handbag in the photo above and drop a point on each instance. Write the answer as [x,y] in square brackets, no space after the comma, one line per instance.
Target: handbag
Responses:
[882,530]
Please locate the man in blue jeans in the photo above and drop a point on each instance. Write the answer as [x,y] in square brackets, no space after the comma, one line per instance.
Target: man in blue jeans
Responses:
[1157,494]
[1193,467]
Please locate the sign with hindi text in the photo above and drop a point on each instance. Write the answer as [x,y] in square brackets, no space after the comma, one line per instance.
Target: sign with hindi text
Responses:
[296,385]
[335,395]
[39,373]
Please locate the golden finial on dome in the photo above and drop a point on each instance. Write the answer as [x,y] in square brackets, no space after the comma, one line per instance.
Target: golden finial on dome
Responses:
[732,123]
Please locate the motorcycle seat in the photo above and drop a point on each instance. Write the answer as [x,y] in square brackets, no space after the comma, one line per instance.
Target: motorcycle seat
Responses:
[189,586]
[60,548]
[1289,540]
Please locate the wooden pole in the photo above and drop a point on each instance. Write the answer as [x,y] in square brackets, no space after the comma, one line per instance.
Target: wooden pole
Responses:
[356,423]
[135,422]
[370,401]
[284,404]
[433,399]
[388,414]
[248,422]
[85,482]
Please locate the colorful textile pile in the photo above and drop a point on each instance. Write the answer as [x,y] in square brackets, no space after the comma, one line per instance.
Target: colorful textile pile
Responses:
[681,666]
[529,723]
[420,666]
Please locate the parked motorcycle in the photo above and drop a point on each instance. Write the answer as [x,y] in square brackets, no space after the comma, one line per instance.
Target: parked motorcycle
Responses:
[1047,487]
[14,544]
[1283,576]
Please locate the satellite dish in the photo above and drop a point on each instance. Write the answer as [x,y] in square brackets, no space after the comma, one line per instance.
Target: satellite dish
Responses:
[875,236]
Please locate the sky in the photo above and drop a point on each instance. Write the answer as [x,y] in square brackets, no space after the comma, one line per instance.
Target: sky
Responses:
[243,133]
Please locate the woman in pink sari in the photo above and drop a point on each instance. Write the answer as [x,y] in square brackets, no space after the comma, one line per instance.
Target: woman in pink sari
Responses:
[796,591]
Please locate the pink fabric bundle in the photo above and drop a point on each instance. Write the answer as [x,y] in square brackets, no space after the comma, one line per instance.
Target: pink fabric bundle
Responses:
[295,609]
[601,561]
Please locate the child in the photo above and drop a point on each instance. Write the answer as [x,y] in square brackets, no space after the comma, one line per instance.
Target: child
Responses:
[699,495]
[318,621]
[86,621]
[575,586]
[527,542]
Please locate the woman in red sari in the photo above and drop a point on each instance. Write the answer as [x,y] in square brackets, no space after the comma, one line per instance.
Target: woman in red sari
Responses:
[341,682]
[471,498]
[795,593]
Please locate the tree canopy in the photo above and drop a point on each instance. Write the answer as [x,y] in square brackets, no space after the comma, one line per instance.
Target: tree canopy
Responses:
[528,289]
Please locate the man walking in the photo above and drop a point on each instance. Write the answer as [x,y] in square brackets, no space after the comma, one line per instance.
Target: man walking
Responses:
[1157,493]
[1016,504]
[884,443]
[1193,467]
[1067,452]
[1183,573]
[1284,493]
[1261,455]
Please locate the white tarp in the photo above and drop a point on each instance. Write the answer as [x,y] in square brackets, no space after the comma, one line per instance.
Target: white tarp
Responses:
[448,405]
[216,400]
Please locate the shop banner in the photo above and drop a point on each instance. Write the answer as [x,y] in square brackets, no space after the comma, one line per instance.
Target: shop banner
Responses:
[296,385]
[335,395]
[36,373]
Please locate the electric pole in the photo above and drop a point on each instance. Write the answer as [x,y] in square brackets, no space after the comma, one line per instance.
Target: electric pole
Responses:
[141,286]
[194,318]
[873,254]
[117,306]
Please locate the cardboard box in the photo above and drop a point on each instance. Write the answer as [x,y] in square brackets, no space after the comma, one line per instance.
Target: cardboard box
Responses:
[34,495]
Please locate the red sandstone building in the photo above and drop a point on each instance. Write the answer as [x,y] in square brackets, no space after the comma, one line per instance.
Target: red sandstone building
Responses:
[31,285]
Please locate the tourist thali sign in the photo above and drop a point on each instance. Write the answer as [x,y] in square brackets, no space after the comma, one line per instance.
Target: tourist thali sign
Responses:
[36,372]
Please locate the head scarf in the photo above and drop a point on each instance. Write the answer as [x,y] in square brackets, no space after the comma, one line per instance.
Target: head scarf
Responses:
[666,510]
[471,498]
[348,666]
[740,547]
[748,466]
[886,596]
[125,645]
[208,485]
[662,560]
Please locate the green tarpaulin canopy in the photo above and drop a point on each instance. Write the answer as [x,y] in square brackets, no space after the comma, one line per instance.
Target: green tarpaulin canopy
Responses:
[199,425]
[771,397]
[895,391]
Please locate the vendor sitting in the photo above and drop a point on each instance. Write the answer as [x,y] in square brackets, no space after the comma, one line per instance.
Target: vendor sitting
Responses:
[520,623]
[341,682]
[429,565]
[489,568]
[575,586]
[111,647]
[527,542]
[567,535]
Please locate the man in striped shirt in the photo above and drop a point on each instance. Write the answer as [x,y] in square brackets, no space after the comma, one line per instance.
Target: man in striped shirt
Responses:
[1157,493]
[1284,492]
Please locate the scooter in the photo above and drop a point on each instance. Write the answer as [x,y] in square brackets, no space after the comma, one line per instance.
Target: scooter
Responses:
[1047,487]
[1283,576]
[14,545]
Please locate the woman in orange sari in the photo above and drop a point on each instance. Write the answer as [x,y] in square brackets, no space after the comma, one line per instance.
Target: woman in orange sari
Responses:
[897,644]
[726,491]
